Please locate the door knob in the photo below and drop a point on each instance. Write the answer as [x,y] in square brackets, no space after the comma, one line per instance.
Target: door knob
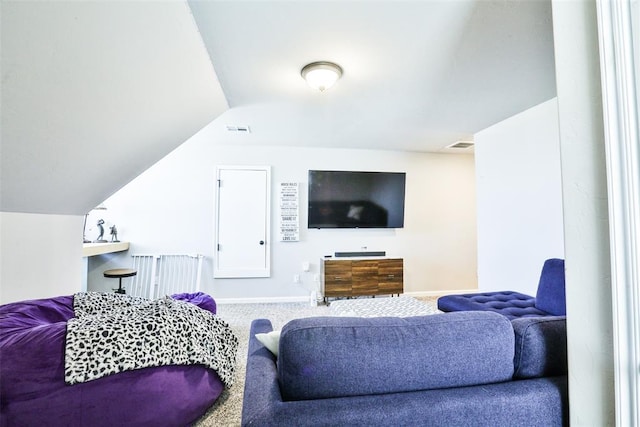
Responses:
[261,242]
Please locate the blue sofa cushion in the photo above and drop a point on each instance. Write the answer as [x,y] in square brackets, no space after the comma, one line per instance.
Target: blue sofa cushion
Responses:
[508,303]
[325,357]
[541,347]
[551,295]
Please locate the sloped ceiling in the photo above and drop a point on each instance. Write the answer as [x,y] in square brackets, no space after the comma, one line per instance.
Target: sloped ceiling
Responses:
[93,93]
[418,75]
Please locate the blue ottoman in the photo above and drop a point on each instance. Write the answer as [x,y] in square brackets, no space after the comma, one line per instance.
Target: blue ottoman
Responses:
[508,303]
[549,299]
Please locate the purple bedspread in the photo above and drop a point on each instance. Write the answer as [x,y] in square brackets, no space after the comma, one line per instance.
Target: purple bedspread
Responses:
[33,391]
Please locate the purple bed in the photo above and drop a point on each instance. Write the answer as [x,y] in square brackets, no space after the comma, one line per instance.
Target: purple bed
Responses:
[33,391]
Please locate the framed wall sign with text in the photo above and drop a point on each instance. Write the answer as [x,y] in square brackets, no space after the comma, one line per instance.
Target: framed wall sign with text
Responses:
[289,215]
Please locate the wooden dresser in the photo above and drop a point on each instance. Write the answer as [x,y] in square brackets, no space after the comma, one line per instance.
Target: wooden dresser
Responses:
[362,277]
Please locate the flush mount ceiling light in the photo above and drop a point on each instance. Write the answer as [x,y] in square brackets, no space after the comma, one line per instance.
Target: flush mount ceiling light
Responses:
[321,75]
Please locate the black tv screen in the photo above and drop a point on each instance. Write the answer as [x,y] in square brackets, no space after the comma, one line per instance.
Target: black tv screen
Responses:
[350,199]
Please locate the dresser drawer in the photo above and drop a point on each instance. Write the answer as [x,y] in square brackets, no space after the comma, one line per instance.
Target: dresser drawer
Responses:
[390,276]
[337,278]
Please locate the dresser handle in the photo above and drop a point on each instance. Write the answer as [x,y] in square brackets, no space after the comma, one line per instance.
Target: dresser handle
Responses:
[391,276]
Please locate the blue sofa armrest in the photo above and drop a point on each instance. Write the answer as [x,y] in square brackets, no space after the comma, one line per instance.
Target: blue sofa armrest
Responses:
[541,346]
[261,386]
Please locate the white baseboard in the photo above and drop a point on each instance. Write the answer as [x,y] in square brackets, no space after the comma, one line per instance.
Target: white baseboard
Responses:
[307,299]
[440,293]
[263,300]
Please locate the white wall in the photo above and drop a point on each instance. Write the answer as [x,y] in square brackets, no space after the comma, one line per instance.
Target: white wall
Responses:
[519,193]
[169,209]
[41,255]
[588,269]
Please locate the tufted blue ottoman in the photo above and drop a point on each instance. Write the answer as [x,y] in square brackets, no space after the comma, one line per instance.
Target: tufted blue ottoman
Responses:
[549,299]
[508,303]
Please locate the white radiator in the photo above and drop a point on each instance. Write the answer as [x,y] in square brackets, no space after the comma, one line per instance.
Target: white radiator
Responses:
[160,275]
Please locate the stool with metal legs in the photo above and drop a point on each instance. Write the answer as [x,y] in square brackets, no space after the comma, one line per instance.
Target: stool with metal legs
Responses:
[120,273]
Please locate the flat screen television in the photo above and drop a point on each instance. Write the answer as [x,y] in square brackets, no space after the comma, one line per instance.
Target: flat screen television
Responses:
[352,199]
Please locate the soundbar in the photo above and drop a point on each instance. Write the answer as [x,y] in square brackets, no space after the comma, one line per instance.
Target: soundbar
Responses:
[354,254]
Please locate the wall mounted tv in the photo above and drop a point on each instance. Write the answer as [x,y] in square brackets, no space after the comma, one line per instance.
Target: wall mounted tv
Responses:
[350,199]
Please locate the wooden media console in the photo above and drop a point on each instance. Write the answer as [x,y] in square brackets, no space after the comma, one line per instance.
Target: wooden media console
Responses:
[362,277]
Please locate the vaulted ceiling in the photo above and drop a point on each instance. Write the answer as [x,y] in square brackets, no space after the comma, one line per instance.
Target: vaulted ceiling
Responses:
[418,75]
[93,93]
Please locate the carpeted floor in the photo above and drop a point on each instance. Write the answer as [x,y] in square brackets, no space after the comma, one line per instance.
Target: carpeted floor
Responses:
[227,409]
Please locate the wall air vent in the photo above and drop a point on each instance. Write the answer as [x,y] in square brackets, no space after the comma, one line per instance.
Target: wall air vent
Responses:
[461,144]
[239,129]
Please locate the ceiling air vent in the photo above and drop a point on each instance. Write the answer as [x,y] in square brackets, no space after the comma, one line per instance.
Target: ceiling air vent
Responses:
[239,129]
[461,144]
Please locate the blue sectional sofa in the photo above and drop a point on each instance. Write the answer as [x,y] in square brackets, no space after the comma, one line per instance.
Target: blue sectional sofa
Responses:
[549,300]
[451,369]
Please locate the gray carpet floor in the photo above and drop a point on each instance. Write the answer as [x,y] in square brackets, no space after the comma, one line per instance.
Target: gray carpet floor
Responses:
[226,411]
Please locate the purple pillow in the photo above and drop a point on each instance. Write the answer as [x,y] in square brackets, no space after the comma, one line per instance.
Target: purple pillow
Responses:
[200,299]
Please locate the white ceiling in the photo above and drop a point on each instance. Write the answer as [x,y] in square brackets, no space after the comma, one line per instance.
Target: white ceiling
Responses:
[418,75]
[95,92]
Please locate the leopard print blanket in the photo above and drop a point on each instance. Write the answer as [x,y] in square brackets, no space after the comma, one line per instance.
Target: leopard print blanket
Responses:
[113,333]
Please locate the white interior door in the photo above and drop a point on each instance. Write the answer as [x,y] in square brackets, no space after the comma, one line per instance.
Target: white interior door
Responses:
[242,239]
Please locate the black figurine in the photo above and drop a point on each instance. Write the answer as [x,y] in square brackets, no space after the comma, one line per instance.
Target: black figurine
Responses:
[101,228]
[114,233]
